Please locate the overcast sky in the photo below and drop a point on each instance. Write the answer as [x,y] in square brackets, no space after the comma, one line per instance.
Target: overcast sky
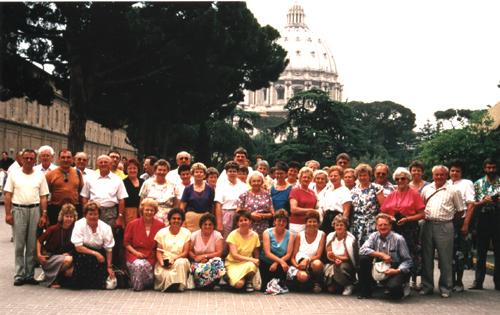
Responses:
[427,55]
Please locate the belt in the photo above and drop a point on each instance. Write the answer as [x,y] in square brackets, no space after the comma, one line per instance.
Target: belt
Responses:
[438,221]
[26,206]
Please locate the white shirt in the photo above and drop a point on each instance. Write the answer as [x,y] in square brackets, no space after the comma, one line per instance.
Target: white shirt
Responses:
[39,167]
[223,176]
[86,173]
[13,167]
[26,189]
[83,236]
[162,193]
[466,187]
[334,199]
[107,190]
[227,194]
[174,177]
[307,250]
[444,204]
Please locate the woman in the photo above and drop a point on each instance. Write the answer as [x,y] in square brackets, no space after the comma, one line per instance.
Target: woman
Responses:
[243,259]
[160,190]
[280,191]
[93,241]
[417,171]
[277,248]
[306,256]
[139,241]
[262,166]
[132,185]
[184,172]
[366,200]
[342,254]
[226,197]
[206,249]
[349,178]
[258,202]
[337,200]
[302,200]
[172,249]
[406,207]
[212,176]
[54,248]
[198,198]
[320,184]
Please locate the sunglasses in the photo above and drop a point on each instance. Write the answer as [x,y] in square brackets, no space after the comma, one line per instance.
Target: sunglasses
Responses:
[29,158]
[400,178]
[184,158]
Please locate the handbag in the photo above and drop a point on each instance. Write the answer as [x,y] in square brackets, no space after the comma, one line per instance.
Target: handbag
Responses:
[111,283]
[378,270]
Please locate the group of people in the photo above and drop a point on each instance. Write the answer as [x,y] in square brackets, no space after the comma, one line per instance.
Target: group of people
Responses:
[288,227]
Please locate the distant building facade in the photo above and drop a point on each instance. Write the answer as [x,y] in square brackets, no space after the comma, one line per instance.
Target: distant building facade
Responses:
[25,124]
[311,64]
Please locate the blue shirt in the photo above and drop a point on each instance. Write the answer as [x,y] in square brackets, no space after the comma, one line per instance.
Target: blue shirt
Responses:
[278,249]
[394,245]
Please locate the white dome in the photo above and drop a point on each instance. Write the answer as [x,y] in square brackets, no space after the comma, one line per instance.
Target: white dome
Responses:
[306,51]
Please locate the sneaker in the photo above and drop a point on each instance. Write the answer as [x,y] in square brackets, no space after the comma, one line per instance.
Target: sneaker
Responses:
[317,288]
[284,289]
[406,290]
[41,277]
[348,290]
[249,287]
[458,288]
[31,281]
[18,282]
[445,295]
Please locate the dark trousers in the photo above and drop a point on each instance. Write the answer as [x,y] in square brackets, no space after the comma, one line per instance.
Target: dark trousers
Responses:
[266,275]
[488,229]
[394,283]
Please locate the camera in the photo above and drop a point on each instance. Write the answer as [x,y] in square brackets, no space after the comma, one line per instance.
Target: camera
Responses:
[166,263]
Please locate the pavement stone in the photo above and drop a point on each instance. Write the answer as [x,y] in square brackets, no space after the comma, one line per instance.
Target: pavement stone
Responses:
[39,300]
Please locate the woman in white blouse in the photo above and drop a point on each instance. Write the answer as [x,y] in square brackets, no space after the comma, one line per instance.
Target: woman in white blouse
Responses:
[226,196]
[93,240]
[159,189]
[336,200]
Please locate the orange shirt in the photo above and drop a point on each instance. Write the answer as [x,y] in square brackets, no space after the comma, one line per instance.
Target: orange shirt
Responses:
[64,188]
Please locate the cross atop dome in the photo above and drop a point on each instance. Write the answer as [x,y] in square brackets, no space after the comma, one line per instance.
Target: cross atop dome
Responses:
[296,16]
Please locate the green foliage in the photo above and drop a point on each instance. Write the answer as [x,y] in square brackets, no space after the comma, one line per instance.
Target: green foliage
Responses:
[469,145]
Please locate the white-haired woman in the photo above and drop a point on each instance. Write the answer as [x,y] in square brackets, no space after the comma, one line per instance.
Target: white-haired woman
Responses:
[258,202]
[406,207]
[320,184]
[302,200]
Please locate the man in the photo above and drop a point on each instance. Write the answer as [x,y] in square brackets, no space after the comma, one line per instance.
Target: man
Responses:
[108,190]
[6,161]
[240,156]
[293,173]
[26,208]
[342,160]
[64,184]
[460,244]
[149,170]
[313,164]
[45,158]
[81,162]
[182,158]
[442,203]
[381,173]
[17,164]
[487,190]
[115,159]
[390,247]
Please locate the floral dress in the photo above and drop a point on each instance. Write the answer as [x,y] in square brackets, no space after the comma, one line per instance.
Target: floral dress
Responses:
[365,208]
[256,202]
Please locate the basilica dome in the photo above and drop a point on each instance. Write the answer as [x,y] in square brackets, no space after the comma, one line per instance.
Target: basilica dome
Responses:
[311,65]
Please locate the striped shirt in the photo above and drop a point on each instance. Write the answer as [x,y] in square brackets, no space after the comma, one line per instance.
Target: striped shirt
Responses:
[443,205]
[393,245]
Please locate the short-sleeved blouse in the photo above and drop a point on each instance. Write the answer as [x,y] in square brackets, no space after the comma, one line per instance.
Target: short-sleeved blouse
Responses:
[199,247]
[407,203]
[305,199]
[135,236]
[83,235]
[56,240]
[162,193]
[198,202]
[170,243]
[245,247]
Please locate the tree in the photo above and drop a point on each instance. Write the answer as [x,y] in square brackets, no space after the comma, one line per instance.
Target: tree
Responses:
[387,129]
[470,145]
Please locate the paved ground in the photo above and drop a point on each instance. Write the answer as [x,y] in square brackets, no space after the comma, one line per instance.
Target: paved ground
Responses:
[39,300]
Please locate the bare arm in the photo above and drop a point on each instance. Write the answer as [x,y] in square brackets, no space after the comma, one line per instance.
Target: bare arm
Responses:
[234,252]
[296,246]
[295,209]
[9,219]
[218,216]
[346,209]
[320,249]
[380,198]
[182,205]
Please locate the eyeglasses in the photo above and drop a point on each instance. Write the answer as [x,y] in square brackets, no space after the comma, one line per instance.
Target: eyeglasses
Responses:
[400,178]
[65,177]
[184,158]
[381,174]
[29,158]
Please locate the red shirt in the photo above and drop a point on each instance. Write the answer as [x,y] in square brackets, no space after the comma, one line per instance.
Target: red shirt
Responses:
[305,199]
[407,203]
[135,235]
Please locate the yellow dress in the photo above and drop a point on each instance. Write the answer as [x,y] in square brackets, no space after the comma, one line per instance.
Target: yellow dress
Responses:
[236,270]
[172,246]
